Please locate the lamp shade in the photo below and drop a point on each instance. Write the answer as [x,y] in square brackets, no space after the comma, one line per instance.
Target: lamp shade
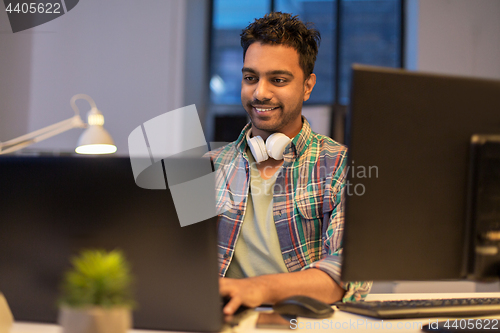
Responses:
[95,140]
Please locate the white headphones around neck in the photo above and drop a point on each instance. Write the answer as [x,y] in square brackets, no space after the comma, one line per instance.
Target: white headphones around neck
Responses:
[274,146]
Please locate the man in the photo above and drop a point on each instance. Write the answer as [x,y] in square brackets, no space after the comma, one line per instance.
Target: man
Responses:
[281,227]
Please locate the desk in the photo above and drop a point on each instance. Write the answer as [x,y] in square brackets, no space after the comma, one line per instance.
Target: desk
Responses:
[340,322]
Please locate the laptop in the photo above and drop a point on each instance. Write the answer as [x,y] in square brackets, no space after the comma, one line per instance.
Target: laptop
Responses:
[52,207]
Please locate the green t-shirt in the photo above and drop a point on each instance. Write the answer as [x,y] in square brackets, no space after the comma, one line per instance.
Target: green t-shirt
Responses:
[257,250]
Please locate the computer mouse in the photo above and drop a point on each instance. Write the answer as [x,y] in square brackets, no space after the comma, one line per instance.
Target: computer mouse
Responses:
[303,306]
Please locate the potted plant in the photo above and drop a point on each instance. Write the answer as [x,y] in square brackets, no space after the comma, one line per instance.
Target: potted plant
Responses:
[96,294]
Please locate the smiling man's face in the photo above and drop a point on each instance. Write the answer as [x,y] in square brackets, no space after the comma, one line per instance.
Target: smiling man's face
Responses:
[273,89]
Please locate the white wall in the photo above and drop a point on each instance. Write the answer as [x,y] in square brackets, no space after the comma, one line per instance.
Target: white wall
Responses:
[127,55]
[459,37]
[15,74]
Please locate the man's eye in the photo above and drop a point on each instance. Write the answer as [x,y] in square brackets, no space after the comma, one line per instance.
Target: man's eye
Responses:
[250,78]
[279,80]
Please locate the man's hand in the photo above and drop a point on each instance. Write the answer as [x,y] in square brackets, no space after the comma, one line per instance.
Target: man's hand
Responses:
[248,292]
[272,288]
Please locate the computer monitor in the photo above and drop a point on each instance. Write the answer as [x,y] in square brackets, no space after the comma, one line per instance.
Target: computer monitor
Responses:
[52,207]
[483,208]
[409,137]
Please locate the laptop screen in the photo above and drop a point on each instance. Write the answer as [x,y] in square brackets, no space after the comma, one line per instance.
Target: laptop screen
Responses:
[52,207]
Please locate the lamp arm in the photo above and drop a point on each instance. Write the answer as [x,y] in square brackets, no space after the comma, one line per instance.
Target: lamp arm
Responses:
[81,96]
[49,131]
[41,134]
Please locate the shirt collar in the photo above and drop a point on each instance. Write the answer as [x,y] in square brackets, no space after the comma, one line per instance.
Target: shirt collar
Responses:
[299,143]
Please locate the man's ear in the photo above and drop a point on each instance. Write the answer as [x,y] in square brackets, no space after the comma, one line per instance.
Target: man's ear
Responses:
[309,85]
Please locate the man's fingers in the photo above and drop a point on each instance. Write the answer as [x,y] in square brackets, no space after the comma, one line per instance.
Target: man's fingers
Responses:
[232,306]
[224,289]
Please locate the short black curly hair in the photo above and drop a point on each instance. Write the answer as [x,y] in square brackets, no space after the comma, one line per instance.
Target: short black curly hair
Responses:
[284,29]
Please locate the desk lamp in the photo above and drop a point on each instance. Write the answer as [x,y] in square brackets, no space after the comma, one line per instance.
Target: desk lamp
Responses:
[94,140]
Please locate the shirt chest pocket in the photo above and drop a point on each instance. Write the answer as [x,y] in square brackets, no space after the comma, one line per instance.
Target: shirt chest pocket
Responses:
[309,201]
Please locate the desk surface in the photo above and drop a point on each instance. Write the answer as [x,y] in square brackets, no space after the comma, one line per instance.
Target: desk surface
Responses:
[341,321]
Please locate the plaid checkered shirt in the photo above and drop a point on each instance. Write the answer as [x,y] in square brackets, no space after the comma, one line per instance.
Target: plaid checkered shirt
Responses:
[307,204]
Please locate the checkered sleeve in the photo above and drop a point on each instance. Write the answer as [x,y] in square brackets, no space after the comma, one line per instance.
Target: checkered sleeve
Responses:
[331,261]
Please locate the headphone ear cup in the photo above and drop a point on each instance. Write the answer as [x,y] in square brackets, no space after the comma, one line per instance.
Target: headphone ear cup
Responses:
[276,144]
[258,148]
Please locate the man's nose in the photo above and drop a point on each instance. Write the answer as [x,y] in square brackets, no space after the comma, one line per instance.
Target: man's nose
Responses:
[263,91]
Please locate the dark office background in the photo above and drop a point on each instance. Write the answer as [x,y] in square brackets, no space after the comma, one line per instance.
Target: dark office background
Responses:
[40,71]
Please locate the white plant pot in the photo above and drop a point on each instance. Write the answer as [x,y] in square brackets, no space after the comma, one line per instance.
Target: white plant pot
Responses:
[6,318]
[95,320]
